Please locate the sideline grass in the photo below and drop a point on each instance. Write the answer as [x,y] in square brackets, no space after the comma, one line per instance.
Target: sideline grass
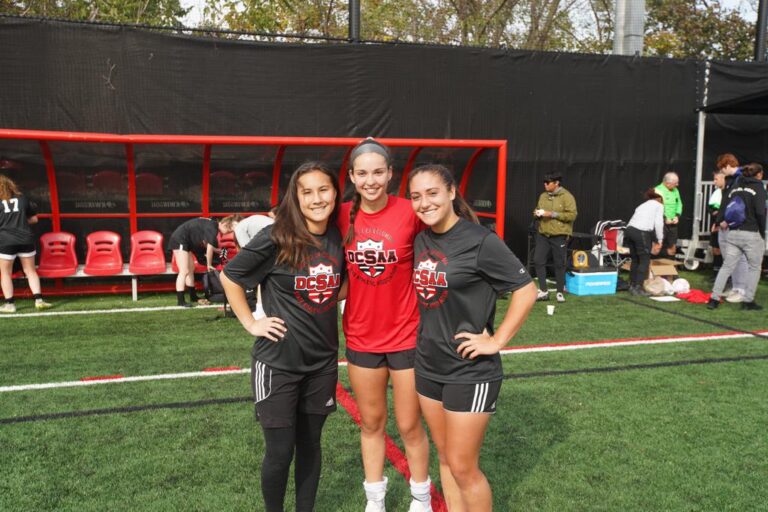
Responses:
[666,438]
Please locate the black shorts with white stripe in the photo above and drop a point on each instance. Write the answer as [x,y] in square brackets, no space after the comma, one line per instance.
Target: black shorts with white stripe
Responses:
[480,397]
[279,395]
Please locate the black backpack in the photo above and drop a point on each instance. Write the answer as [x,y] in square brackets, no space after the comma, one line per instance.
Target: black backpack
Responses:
[735,210]
[214,292]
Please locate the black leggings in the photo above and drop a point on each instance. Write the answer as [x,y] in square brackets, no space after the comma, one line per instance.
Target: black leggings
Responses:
[304,436]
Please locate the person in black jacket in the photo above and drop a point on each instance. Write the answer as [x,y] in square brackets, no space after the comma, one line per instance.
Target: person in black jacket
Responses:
[746,237]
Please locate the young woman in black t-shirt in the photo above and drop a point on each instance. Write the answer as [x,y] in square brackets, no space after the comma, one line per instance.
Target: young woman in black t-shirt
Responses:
[299,263]
[17,239]
[198,237]
[460,268]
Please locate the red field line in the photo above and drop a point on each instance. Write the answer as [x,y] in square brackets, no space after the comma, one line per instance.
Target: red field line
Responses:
[393,453]
[102,377]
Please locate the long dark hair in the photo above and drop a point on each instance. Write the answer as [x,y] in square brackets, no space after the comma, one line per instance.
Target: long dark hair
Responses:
[460,206]
[290,232]
[650,194]
[368,145]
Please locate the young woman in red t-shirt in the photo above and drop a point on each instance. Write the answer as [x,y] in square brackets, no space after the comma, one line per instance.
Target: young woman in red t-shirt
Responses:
[380,321]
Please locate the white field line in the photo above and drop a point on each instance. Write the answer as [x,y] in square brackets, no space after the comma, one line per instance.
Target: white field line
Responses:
[108,311]
[507,351]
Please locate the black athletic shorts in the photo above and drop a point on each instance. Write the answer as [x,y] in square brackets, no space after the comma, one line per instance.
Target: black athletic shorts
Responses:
[10,251]
[461,397]
[402,360]
[670,235]
[280,395]
[179,244]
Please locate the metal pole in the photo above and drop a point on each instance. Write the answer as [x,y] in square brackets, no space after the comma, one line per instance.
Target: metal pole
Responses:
[354,21]
[762,22]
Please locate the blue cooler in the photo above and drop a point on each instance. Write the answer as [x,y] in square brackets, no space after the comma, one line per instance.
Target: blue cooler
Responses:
[591,283]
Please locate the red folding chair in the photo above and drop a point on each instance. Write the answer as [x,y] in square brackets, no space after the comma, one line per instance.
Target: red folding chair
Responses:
[149,184]
[147,254]
[103,257]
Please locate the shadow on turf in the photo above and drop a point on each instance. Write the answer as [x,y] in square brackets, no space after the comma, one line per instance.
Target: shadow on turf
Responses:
[531,429]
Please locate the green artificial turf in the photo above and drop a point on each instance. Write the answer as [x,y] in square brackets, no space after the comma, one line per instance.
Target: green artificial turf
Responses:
[660,427]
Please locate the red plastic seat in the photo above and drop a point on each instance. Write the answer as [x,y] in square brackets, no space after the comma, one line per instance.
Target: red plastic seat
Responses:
[228,242]
[109,182]
[149,184]
[57,255]
[224,183]
[103,258]
[147,254]
[199,268]
[71,184]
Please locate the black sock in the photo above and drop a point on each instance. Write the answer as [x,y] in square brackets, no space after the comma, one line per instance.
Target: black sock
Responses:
[278,453]
[192,294]
[10,301]
[180,298]
[37,296]
[308,459]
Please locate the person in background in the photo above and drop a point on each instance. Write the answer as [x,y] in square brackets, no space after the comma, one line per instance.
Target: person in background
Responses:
[556,213]
[250,226]
[380,321]
[645,226]
[459,269]
[198,237]
[17,213]
[728,164]
[745,238]
[713,207]
[673,208]
[299,261]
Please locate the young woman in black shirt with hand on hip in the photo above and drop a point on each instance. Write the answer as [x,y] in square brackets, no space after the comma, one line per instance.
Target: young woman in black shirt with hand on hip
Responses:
[460,268]
[299,263]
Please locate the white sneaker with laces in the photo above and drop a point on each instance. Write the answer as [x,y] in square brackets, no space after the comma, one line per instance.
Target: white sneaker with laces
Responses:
[542,295]
[41,304]
[8,308]
[735,297]
[560,297]
[375,506]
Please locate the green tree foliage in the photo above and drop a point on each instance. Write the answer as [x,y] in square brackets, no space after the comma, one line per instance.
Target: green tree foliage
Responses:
[153,12]
[697,28]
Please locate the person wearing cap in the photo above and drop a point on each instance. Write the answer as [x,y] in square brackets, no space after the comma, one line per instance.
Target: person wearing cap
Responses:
[673,208]
[556,213]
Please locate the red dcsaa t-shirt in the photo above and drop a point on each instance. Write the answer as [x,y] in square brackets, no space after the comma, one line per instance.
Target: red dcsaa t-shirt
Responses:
[381,314]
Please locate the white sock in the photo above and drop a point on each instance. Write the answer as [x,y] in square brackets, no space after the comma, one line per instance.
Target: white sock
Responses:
[420,490]
[376,491]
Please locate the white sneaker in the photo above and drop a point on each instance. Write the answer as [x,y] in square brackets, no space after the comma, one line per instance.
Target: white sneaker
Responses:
[735,297]
[560,297]
[8,308]
[41,304]
[420,506]
[542,295]
[375,506]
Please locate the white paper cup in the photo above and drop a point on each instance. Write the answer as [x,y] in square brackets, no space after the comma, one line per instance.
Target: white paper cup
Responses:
[550,309]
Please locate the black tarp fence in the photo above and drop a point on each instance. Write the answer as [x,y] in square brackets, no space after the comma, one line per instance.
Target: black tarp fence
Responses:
[612,125]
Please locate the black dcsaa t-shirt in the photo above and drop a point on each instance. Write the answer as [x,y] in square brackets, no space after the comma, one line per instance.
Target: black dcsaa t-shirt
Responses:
[458,276]
[304,298]
[14,228]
